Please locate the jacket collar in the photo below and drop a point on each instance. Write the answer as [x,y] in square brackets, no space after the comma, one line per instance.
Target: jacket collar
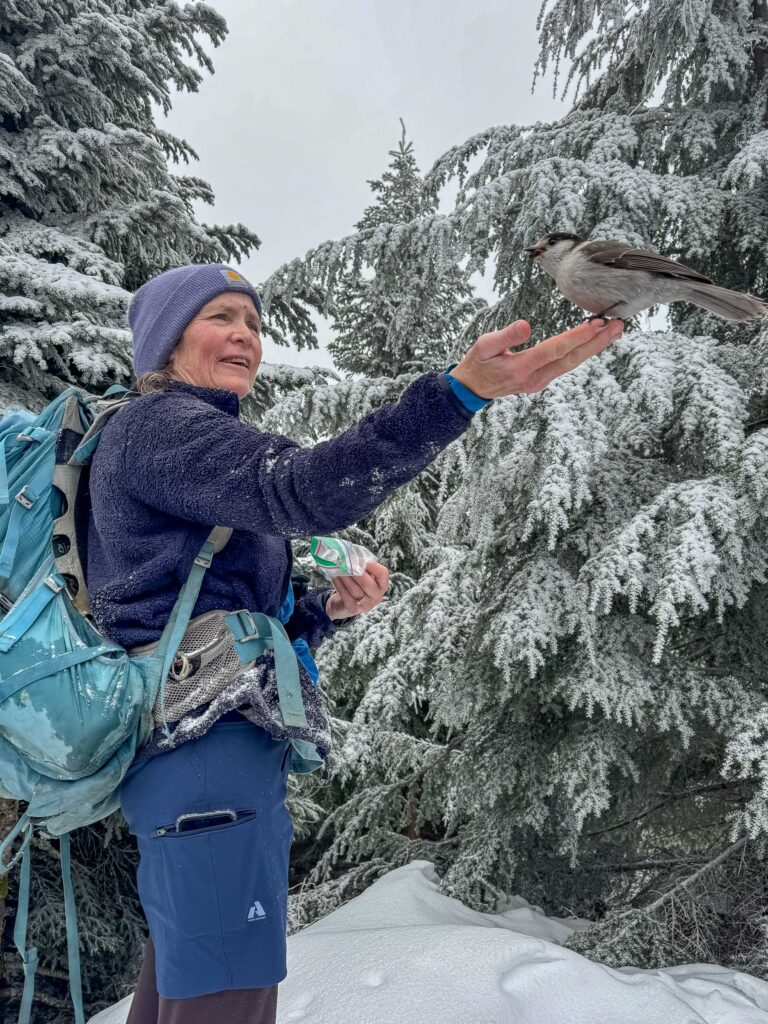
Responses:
[222,399]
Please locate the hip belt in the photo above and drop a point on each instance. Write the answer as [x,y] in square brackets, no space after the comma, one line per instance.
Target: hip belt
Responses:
[215,649]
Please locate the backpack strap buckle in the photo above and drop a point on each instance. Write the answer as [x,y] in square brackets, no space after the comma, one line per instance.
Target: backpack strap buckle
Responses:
[248,628]
[250,641]
[54,584]
[39,434]
[22,498]
[204,558]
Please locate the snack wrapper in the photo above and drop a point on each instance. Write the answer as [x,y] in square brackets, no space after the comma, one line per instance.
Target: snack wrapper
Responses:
[336,557]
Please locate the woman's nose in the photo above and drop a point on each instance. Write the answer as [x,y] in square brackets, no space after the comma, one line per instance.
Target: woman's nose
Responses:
[240,329]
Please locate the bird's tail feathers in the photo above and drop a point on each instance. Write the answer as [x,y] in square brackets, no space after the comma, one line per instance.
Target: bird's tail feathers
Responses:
[729,304]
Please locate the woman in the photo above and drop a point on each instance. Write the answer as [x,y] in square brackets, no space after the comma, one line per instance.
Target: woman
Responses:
[206,802]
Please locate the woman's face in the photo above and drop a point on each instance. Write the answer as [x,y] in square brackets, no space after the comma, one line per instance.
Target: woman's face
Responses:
[228,327]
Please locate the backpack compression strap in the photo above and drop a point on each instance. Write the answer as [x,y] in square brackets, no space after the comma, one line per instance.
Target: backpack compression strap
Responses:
[73,950]
[254,633]
[29,956]
[179,618]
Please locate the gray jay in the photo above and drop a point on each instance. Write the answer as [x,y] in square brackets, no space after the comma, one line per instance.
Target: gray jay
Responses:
[612,278]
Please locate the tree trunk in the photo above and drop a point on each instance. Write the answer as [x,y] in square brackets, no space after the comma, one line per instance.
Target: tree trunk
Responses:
[760,55]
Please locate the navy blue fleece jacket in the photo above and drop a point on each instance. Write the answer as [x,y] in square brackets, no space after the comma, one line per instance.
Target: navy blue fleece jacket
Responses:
[171,465]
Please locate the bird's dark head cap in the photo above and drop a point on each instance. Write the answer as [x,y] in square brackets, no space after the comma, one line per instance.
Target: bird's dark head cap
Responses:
[547,241]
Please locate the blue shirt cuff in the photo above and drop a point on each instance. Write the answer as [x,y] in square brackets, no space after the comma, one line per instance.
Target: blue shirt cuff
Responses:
[468,398]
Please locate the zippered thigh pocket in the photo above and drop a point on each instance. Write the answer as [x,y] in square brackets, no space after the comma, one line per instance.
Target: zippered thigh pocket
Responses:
[170,831]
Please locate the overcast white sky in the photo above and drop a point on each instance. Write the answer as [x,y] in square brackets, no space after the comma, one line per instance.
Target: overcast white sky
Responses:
[304,105]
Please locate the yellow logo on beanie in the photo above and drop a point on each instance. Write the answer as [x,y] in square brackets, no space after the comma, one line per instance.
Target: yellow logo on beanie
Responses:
[232,275]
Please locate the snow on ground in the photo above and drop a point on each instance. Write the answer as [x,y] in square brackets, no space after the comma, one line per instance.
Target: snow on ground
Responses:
[402,952]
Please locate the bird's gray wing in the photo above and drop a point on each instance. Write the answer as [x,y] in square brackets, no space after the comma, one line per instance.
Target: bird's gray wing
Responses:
[618,254]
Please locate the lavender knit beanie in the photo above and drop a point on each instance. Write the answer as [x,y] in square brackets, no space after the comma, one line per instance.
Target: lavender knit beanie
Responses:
[161,309]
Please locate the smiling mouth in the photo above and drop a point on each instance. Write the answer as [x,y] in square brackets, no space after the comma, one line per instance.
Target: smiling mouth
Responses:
[237,366]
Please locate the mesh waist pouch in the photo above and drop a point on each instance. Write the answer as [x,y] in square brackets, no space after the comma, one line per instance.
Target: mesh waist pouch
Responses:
[206,663]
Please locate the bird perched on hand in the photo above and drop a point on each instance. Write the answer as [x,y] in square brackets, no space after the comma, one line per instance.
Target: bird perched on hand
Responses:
[611,278]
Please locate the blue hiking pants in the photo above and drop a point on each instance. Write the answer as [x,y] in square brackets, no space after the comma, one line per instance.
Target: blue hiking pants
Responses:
[215,898]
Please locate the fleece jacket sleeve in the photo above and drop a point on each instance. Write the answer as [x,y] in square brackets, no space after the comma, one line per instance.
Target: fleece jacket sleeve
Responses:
[309,621]
[188,459]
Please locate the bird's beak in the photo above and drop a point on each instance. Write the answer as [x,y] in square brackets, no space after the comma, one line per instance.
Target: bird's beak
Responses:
[533,252]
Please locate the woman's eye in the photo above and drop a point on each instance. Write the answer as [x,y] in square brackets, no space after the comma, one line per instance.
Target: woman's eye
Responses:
[219,316]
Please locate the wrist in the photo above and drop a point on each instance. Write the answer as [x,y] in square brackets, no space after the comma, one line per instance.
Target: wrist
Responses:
[341,619]
[465,379]
[328,609]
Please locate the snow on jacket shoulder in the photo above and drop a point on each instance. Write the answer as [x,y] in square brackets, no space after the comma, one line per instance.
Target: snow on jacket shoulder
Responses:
[171,465]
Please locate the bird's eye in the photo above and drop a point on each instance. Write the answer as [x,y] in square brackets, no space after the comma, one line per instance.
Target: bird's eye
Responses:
[551,241]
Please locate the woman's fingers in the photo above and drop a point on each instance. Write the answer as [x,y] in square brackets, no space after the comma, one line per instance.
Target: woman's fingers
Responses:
[573,356]
[380,574]
[560,345]
[371,584]
[492,371]
[343,588]
[489,345]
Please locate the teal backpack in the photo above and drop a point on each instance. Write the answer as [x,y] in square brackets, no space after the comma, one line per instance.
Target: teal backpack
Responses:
[74,707]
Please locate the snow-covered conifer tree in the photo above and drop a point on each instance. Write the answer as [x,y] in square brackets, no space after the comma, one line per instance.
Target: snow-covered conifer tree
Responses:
[88,207]
[385,319]
[587,657]
[391,324]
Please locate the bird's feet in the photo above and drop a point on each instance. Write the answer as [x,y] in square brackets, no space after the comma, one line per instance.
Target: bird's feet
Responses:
[604,314]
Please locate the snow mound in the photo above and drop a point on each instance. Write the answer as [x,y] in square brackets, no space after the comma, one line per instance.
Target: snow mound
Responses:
[401,951]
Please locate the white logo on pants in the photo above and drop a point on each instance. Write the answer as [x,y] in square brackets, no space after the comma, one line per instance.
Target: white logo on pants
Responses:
[256,912]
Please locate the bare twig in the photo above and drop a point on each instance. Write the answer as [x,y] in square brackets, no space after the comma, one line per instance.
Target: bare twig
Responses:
[643,865]
[670,798]
[39,997]
[15,967]
[692,879]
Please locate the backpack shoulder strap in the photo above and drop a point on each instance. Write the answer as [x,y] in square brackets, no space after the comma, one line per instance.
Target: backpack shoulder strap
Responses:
[219,537]
[73,458]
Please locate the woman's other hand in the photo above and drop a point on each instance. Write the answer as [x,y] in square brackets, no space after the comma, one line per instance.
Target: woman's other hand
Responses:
[356,594]
[491,371]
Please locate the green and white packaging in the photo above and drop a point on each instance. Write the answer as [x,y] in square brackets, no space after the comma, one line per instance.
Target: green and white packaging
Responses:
[336,557]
